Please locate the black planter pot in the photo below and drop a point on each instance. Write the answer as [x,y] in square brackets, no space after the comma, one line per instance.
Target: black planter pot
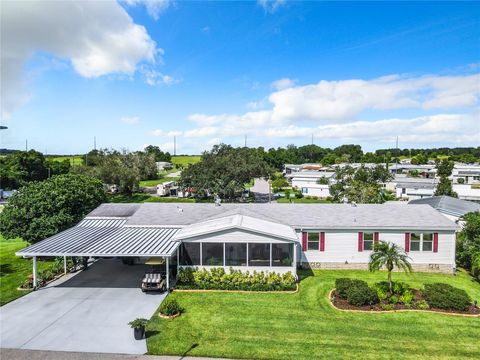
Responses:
[139,333]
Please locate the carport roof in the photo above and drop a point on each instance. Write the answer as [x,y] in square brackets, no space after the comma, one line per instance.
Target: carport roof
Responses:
[106,237]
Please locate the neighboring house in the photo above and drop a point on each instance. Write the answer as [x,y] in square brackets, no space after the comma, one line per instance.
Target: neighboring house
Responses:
[470,174]
[163,165]
[5,195]
[469,192]
[307,182]
[260,237]
[452,208]
[410,188]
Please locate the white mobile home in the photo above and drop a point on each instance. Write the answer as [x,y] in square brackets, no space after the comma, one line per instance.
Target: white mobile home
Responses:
[266,237]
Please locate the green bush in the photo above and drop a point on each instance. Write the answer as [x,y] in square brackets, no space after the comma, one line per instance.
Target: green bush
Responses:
[407,297]
[399,287]
[393,300]
[444,296]
[343,284]
[170,307]
[421,305]
[219,279]
[360,294]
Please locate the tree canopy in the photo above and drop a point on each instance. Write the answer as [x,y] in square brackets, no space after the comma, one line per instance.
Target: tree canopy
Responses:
[468,244]
[23,166]
[362,185]
[41,209]
[124,169]
[158,154]
[444,170]
[224,171]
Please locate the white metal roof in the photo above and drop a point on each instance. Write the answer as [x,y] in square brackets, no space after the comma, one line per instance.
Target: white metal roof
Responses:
[106,237]
[241,222]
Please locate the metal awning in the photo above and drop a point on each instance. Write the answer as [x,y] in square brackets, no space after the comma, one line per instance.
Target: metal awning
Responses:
[106,237]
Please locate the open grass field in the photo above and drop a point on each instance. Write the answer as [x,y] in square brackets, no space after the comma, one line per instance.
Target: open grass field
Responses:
[303,325]
[185,159]
[14,270]
[75,160]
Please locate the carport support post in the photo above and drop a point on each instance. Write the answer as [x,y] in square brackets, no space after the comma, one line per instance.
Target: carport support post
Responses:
[65,265]
[168,272]
[34,272]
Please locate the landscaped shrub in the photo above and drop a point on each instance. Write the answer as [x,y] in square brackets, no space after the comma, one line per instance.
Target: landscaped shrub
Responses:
[170,307]
[421,305]
[360,294]
[399,287]
[407,297]
[219,279]
[342,285]
[444,296]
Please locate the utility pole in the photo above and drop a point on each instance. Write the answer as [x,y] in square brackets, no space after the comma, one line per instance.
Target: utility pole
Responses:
[174,145]
[26,144]
[245,140]
[94,143]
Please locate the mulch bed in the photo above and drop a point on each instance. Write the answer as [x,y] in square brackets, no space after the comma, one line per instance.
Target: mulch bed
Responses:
[344,305]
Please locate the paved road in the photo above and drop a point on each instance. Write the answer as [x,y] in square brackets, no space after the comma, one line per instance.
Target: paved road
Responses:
[8,354]
[86,312]
[261,189]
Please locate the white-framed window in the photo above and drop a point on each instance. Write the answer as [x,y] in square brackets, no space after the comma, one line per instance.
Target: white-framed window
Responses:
[313,241]
[367,241]
[304,190]
[421,242]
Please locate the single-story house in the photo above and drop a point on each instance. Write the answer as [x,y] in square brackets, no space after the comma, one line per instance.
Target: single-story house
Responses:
[450,207]
[307,182]
[262,237]
[163,165]
[470,174]
[412,188]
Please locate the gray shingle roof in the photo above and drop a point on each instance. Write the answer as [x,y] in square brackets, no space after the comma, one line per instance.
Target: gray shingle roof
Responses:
[448,205]
[326,216]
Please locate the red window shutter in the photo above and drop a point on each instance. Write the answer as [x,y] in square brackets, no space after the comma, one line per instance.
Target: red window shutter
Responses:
[407,242]
[435,242]
[322,241]
[360,241]
[304,241]
[375,237]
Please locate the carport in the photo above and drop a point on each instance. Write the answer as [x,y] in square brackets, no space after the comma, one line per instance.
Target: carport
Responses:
[106,237]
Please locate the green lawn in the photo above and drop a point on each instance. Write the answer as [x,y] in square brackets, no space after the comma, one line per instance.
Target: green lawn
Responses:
[304,325]
[185,159]
[14,270]
[155,182]
[75,160]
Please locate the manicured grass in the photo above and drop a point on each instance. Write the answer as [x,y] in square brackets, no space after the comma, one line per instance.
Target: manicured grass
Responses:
[304,325]
[14,270]
[185,159]
[302,201]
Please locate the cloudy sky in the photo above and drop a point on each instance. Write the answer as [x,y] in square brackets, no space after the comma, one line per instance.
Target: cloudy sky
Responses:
[136,72]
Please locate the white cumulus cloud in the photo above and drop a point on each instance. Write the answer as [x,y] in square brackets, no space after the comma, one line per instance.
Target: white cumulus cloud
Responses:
[97,37]
[282,84]
[154,7]
[270,6]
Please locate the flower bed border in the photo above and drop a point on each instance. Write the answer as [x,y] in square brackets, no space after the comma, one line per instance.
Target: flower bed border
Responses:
[240,291]
[47,283]
[396,311]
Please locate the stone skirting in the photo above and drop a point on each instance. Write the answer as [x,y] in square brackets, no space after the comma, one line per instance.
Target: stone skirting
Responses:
[438,268]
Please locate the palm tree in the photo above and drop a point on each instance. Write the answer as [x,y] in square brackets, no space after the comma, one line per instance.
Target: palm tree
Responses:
[391,256]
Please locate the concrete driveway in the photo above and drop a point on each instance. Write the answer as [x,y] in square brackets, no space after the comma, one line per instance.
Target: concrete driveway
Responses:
[88,312]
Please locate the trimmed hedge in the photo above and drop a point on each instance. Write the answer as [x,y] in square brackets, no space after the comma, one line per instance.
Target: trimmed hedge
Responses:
[444,296]
[361,294]
[342,285]
[219,279]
